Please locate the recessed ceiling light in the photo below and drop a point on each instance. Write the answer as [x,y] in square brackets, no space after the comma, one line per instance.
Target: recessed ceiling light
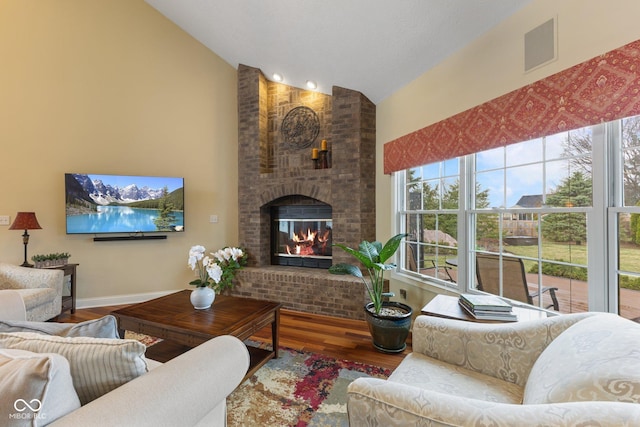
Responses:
[278,77]
[312,85]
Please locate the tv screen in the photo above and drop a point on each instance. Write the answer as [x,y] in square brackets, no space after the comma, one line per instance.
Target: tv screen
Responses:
[123,204]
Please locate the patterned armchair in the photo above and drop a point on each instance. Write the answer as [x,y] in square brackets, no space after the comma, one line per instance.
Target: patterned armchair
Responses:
[40,289]
[571,370]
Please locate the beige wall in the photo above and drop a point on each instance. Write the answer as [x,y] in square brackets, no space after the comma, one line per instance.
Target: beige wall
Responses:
[489,67]
[96,86]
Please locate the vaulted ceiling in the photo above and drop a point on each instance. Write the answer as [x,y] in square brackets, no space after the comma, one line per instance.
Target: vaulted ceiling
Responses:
[372,46]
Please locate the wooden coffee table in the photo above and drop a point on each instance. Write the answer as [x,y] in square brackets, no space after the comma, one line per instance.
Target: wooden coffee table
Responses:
[173,318]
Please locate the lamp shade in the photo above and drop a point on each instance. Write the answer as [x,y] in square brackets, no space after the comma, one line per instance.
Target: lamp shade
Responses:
[25,221]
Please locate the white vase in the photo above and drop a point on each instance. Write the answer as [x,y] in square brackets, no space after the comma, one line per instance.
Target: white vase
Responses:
[202,297]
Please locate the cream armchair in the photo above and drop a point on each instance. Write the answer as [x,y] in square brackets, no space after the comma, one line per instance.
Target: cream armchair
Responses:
[40,289]
[571,370]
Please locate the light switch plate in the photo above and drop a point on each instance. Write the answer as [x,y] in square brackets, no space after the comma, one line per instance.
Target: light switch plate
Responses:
[5,219]
[213,219]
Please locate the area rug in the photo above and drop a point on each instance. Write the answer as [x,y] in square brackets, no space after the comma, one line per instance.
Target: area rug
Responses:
[144,339]
[297,389]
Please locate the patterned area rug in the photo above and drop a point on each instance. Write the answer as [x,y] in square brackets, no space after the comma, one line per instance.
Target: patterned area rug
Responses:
[144,339]
[297,389]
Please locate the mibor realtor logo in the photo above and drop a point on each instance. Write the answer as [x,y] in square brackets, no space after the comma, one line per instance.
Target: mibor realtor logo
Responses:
[27,410]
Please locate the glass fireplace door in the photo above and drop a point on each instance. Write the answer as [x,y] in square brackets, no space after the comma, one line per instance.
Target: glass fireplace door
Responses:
[302,242]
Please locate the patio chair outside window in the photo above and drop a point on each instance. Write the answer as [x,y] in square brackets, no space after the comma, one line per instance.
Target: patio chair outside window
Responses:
[514,279]
[441,272]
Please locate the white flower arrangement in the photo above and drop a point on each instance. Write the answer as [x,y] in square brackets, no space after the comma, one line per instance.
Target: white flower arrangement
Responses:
[218,270]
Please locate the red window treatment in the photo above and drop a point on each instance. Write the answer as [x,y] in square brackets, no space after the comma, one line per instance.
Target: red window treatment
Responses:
[602,89]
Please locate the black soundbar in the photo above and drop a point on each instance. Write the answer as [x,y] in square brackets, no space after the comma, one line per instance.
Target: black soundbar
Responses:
[114,238]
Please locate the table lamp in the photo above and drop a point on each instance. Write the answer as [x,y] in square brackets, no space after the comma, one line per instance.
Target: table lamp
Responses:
[25,221]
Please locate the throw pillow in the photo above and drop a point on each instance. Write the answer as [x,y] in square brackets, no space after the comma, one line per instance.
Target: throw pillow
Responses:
[104,327]
[98,365]
[36,389]
[595,359]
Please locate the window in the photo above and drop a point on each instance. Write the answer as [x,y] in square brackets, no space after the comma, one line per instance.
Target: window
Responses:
[531,203]
[548,205]
[431,202]
[625,219]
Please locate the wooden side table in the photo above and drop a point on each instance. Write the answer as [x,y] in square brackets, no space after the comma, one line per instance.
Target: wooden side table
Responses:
[68,286]
[447,307]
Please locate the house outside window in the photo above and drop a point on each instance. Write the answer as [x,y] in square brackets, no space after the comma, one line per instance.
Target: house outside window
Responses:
[548,204]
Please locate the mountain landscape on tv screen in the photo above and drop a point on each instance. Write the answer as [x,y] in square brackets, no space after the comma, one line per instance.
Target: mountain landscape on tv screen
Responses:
[96,192]
[156,209]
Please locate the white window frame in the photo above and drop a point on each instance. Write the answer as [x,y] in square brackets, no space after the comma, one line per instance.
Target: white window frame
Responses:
[602,259]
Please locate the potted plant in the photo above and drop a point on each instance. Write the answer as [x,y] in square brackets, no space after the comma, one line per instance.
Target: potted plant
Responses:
[215,273]
[50,260]
[389,322]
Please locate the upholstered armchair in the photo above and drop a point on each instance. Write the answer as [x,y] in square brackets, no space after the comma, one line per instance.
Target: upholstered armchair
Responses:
[571,370]
[40,289]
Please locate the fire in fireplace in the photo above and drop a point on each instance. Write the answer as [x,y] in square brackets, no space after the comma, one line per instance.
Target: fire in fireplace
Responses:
[301,235]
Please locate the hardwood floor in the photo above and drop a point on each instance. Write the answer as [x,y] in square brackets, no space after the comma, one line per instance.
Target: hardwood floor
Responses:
[335,337]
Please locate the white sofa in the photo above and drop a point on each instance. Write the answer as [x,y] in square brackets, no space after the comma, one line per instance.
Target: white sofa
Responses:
[40,289]
[189,390]
[571,370]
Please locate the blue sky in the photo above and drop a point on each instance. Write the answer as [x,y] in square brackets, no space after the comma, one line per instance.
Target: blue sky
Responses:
[155,182]
[515,170]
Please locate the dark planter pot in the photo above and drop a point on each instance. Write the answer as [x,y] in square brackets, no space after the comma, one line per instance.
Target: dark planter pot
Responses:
[389,333]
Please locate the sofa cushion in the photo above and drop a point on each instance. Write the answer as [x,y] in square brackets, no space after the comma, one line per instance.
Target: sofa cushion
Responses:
[427,373]
[98,365]
[104,327]
[42,381]
[595,359]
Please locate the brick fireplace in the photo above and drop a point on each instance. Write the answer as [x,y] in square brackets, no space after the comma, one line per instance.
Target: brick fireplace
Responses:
[273,173]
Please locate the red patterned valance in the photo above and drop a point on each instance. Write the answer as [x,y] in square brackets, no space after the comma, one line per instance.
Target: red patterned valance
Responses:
[602,89]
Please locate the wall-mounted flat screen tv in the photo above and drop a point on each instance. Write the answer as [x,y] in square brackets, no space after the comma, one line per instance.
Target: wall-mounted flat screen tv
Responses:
[123,204]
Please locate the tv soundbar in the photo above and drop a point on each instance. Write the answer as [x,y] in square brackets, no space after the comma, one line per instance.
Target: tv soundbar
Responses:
[114,238]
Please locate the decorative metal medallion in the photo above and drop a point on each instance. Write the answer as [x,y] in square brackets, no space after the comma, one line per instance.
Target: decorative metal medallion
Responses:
[300,127]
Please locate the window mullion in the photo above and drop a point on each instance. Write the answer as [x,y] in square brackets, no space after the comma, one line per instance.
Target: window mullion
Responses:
[596,223]
[465,194]
[615,199]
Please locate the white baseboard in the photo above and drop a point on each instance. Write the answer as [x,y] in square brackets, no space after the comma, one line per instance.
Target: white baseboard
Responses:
[120,299]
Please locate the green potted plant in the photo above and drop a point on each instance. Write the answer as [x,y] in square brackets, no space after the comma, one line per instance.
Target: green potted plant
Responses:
[389,322]
[51,260]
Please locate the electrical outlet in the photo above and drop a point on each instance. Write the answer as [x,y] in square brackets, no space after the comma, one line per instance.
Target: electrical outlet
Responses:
[213,219]
[403,293]
[5,219]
